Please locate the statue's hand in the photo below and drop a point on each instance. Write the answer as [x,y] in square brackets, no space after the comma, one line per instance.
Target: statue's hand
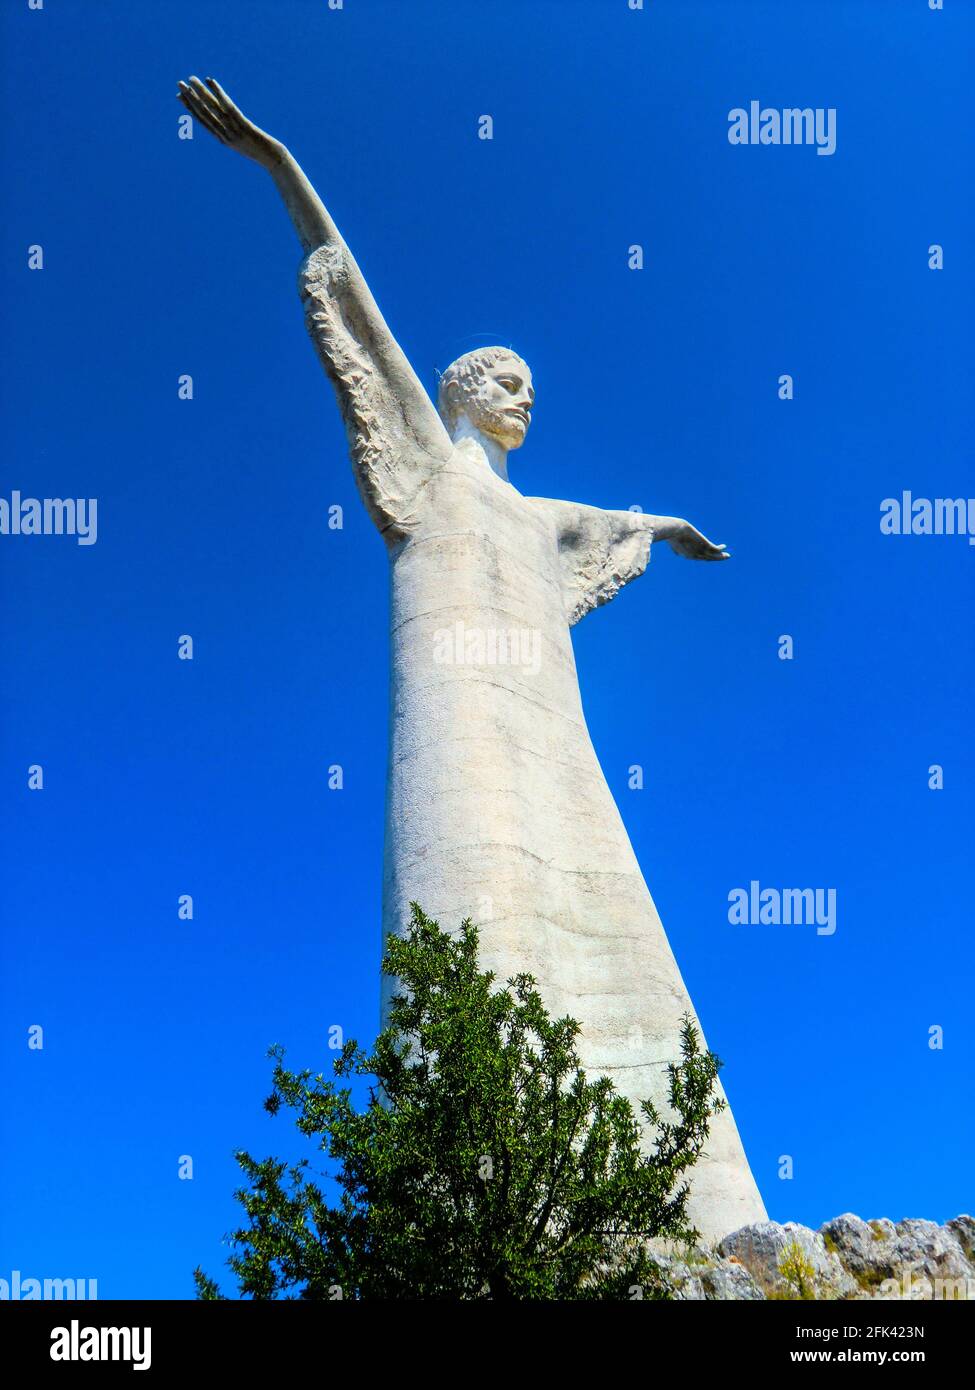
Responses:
[689,542]
[211,106]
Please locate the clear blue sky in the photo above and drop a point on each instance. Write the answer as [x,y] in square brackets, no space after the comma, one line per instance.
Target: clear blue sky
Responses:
[656,388]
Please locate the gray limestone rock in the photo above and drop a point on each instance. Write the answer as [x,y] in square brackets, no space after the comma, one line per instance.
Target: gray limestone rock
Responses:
[900,1260]
[846,1259]
[788,1261]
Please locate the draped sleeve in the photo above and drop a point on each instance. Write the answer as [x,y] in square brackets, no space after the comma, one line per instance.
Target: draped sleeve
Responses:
[599,552]
[396,438]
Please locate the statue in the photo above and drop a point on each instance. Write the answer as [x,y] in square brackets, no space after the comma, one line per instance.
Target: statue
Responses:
[496,806]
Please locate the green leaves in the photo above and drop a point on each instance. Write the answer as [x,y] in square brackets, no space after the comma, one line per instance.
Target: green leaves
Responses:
[486,1164]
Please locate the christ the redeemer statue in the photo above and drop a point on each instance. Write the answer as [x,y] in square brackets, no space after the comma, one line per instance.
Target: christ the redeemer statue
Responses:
[496,806]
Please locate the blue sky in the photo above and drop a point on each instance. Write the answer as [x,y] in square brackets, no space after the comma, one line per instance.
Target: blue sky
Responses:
[655,388]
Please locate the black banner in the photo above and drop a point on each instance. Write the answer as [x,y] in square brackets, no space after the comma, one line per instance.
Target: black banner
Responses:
[171,1338]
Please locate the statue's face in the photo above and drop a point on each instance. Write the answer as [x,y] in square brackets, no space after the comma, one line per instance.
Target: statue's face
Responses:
[500,404]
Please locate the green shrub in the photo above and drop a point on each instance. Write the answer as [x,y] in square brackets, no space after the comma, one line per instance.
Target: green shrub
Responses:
[486,1163]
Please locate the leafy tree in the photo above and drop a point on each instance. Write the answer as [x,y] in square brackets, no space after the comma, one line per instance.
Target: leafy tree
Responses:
[486,1163]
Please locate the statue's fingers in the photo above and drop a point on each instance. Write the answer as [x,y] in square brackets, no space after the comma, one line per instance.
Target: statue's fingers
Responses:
[224,109]
[207,99]
[188,98]
[231,114]
[226,103]
[207,110]
[206,119]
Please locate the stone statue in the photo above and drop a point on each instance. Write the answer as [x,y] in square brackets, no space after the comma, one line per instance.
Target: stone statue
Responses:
[496,805]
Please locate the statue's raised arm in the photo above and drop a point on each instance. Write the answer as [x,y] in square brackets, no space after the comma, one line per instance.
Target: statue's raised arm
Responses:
[395,434]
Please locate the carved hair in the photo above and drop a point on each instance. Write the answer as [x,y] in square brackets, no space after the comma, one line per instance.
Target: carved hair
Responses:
[469,371]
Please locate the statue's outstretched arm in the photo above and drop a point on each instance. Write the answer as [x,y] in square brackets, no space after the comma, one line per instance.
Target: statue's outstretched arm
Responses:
[391,421]
[600,551]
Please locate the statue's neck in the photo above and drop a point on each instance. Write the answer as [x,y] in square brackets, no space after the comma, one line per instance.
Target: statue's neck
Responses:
[484,446]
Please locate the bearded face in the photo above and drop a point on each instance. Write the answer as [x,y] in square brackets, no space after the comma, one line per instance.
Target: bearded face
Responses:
[497,400]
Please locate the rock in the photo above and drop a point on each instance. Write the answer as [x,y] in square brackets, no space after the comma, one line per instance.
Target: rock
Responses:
[963,1229]
[729,1280]
[845,1259]
[703,1276]
[789,1261]
[906,1259]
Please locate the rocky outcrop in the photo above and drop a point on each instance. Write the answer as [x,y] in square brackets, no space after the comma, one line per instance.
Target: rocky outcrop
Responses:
[847,1258]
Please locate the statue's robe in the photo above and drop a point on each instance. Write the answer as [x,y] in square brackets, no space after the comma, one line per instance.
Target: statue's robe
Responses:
[497,808]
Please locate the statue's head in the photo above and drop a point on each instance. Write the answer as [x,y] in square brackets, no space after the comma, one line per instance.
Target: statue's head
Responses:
[492,387]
